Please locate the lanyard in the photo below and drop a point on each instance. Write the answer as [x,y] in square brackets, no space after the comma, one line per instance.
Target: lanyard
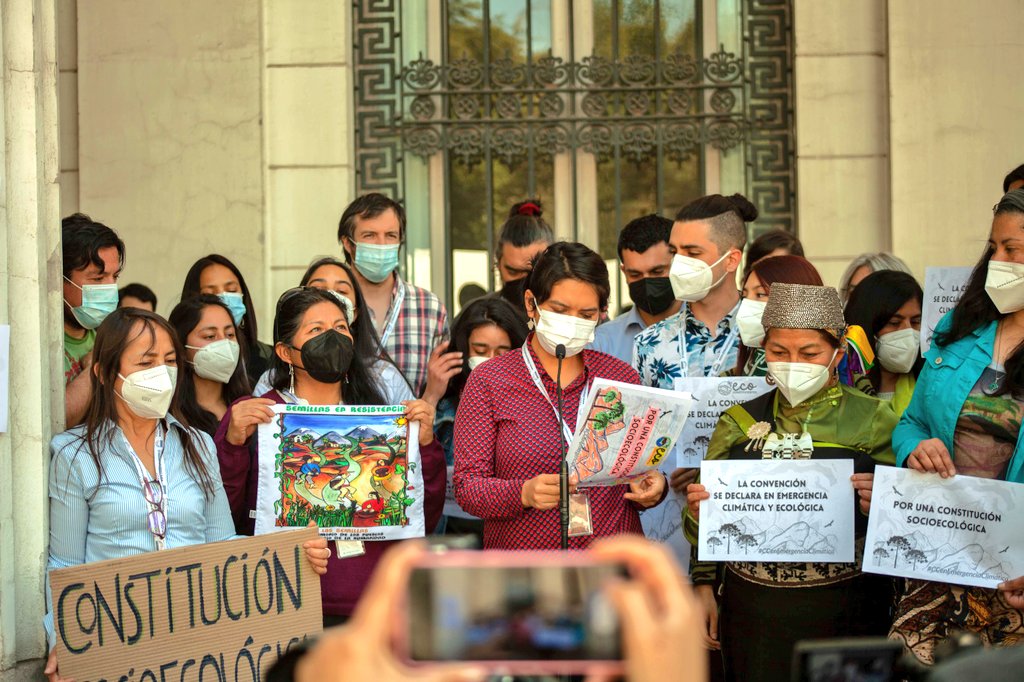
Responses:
[160,462]
[716,366]
[535,375]
[396,308]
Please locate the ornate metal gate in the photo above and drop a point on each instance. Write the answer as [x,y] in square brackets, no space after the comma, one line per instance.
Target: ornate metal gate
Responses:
[636,108]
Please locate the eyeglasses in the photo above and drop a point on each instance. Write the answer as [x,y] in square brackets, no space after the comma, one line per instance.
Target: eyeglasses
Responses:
[156,519]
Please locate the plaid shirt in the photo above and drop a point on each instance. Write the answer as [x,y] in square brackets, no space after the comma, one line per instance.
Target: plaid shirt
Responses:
[506,433]
[658,350]
[421,325]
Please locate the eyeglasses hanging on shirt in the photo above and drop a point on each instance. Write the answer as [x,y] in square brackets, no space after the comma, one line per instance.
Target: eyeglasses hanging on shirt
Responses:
[154,491]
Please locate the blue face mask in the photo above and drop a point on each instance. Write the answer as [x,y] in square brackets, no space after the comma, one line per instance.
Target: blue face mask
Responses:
[235,303]
[98,301]
[376,262]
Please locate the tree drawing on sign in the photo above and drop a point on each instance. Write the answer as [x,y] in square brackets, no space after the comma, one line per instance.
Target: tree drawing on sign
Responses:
[880,555]
[915,556]
[897,542]
[714,543]
[745,542]
[730,531]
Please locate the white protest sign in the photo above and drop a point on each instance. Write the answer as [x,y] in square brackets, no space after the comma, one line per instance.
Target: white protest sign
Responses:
[942,289]
[712,396]
[962,530]
[777,510]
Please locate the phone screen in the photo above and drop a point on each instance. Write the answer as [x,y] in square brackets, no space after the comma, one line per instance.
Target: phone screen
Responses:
[520,613]
[868,659]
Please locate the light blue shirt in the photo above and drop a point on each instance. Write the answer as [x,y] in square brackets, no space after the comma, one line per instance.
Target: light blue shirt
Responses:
[616,337]
[90,521]
[396,388]
[946,381]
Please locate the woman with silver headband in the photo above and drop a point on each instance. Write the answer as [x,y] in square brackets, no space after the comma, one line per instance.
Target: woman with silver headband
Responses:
[965,419]
[810,415]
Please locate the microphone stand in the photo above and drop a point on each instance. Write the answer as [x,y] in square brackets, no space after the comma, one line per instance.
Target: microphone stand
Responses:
[563,470]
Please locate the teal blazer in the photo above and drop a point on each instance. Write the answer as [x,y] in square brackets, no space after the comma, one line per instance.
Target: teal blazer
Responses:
[949,374]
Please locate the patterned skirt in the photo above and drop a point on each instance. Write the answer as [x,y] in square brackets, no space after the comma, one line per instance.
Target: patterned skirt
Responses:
[928,612]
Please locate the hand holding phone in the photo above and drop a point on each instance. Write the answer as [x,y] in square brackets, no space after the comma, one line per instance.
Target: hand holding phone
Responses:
[654,615]
[363,648]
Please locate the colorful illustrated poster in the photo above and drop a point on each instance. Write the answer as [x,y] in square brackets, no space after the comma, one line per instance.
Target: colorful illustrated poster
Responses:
[777,510]
[942,289]
[712,396]
[961,530]
[625,431]
[354,470]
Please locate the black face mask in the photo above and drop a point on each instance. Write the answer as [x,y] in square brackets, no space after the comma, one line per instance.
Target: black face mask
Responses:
[653,295]
[327,357]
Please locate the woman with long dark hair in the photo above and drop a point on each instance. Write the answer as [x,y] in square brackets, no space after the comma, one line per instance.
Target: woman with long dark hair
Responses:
[507,452]
[758,283]
[887,306]
[215,274]
[110,477]
[213,376]
[486,328]
[965,418]
[330,274]
[315,363]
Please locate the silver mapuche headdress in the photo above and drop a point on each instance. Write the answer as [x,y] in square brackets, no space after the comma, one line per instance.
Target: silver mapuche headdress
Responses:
[800,306]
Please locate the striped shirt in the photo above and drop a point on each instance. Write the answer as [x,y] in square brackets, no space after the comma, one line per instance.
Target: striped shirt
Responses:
[92,521]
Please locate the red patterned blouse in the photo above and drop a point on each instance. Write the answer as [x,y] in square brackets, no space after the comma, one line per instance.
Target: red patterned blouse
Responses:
[506,433]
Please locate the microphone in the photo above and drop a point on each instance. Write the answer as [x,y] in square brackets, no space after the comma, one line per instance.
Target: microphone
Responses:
[563,470]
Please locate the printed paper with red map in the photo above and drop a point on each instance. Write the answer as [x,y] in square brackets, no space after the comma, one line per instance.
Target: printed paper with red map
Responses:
[627,430]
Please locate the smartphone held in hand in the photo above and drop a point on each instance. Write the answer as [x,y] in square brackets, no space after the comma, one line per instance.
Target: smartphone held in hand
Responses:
[518,613]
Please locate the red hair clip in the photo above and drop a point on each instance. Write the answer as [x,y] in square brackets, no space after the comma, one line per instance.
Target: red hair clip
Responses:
[529,208]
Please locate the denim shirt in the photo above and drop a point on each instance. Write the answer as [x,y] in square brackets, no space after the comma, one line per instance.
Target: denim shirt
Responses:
[949,374]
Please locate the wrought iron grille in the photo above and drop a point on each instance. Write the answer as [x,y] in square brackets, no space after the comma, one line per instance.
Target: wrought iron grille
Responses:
[551,106]
[631,106]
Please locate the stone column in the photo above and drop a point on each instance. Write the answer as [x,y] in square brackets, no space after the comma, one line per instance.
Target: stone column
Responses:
[30,301]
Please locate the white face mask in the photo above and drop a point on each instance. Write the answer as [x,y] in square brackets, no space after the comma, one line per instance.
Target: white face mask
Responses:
[216,361]
[1004,284]
[748,317]
[572,332]
[798,381]
[148,392]
[899,350]
[691,278]
[476,361]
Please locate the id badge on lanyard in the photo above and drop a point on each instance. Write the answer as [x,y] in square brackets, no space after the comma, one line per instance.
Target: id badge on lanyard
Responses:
[580,523]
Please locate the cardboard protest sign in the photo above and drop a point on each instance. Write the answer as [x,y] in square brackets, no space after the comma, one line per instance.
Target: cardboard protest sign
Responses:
[961,530]
[225,610]
[353,470]
[712,396]
[942,290]
[625,431]
[777,510]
